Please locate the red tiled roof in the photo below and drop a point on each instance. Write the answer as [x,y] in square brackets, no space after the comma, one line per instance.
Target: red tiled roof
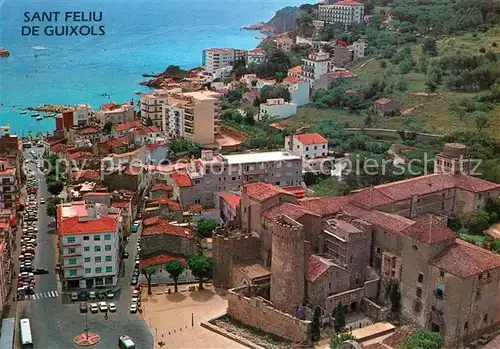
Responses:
[172,205]
[285,208]
[127,126]
[299,192]
[348,3]
[310,138]
[86,174]
[117,142]
[79,155]
[291,79]
[195,208]
[297,69]
[262,191]
[232,199]
[110,106]
[370,198]
[317,266]
[463,259]
[146,222]
[105,224]
[164,187]
[122,204]
[181,179]
[153,146]
[164,228]
[139,132]
[87,131]
[160,260]
[389,222]
[133,170]
[341,74]
[59,148]
[473,184]
[430,230]
[383,101]
[325,205]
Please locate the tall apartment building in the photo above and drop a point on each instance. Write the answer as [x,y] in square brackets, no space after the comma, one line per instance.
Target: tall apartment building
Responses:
[315,65]
[213,174]
[347,12]
[216,58]
[89,240]
[256,56]
[192,115]
[152,106]
[116,113]
[8,192]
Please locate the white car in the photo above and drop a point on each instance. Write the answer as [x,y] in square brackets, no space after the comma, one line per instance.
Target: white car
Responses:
[112,307]
[135,300]
[42,201]
[103,307]
[93,308]
[135,293]
[133,308]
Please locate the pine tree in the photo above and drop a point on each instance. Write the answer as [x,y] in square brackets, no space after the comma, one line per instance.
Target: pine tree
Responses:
[339,322]
[316,335]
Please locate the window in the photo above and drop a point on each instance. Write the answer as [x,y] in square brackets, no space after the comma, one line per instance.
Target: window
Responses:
[73,272]
[72,261]
[86,238]
[86,249]
[417,306]
[97,248]
[88,270]
[315,147]
[419,292]
[441,273]
[107,237]
[420,277]
[87,260]
[107,248]
[97,259]
[324,146]
[414,247]
[480,276]
[71,250]
[109,269]
[71,239]
[97,237]
[466,325]
[478,294]
[377,249]
[485,318]
[108,258]
[98,270]
[307,148]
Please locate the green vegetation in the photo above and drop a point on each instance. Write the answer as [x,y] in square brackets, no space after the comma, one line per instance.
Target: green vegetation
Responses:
[339,320]
[52,204]
[330,186]
[338,338]
[315,326]
[205,227]
[182,147]
[175,269]
[148,273]
[423,340]
[201,268]
[394,296]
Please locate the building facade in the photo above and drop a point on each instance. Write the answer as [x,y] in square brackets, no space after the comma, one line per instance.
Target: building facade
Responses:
[152,107]
[278,108]
[315,65]
[116,114]
[216,58]
[8,185]
[299,90]
[346,12]
[307,146]
[256,56]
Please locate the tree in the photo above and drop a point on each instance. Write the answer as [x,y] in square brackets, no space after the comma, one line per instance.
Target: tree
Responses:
[205,227]
[429,47]
[201,267]
[55,186]
[234,95]
[175,269]
[481,120]
[52,207]
[148,273]
[395,297]
[423,340]
[315,331]
[339,320]
[107,127]
[338,338]
[479,222]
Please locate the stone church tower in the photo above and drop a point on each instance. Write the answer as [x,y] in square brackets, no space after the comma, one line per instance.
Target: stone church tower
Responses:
[288,264]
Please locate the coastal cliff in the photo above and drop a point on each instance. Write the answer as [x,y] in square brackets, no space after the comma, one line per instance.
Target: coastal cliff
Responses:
[283,21]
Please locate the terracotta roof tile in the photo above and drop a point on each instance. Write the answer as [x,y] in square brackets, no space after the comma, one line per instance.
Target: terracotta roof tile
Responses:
[118,142]
[262,191]
[232,199]
[299,192]
[297,69]
[146,222]
[106,224]
[389,222]
[463,259]
[181,179]
[160,186]
[430,230]
[317,266]
[127,126]
[473,184]
[324,205]
[121,204]
[310,138]
[87,130]
[370,198]
[86,174]
[59,148]
[348,3]
[383,101]
[285,208]
[165,228]
[172,205]
[80,154]
[292,79]
[160,260]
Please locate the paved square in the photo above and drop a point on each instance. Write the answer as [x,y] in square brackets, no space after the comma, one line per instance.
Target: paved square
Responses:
[170,315]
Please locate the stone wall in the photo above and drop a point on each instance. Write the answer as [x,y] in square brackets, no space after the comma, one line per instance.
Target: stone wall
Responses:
[257,312]
[164,243]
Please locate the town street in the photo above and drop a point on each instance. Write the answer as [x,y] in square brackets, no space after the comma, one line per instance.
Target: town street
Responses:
[55,319]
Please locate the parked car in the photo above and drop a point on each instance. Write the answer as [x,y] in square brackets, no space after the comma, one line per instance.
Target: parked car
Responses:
[125,254]
[109,294]
[134,281]
[92,295]
[83,295]
[103,307]
[74,296]
[135,293]
[41,271]
[101,295]
[112,307]
[94,308]
[42,201]
[133,308]
[83,307]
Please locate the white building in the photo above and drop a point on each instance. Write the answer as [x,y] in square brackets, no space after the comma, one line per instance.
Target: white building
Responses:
[89,240]
[173,120]
[248,79]
[222,73]
[307,145]
[256,56]
[346,12]
[215,58]
[152,106]
[359,48]
[277,107]
[299,90]
[116,113]
[82,114]
[314,66]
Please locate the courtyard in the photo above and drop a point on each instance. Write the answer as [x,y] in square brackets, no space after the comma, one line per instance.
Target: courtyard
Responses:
[175,318]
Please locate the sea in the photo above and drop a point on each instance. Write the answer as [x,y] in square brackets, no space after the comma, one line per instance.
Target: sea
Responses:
[140,36]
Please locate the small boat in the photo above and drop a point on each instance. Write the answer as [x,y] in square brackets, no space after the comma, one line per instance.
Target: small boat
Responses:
[39,118]
[50,115]
[22,112]
[35,114]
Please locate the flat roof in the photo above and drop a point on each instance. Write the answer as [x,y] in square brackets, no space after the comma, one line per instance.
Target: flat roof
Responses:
[203,95]
[259,157]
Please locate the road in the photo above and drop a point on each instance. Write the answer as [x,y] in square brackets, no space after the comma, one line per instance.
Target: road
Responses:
[55,320]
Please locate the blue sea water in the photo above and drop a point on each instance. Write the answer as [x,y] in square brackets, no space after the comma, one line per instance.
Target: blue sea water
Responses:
[140,36]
